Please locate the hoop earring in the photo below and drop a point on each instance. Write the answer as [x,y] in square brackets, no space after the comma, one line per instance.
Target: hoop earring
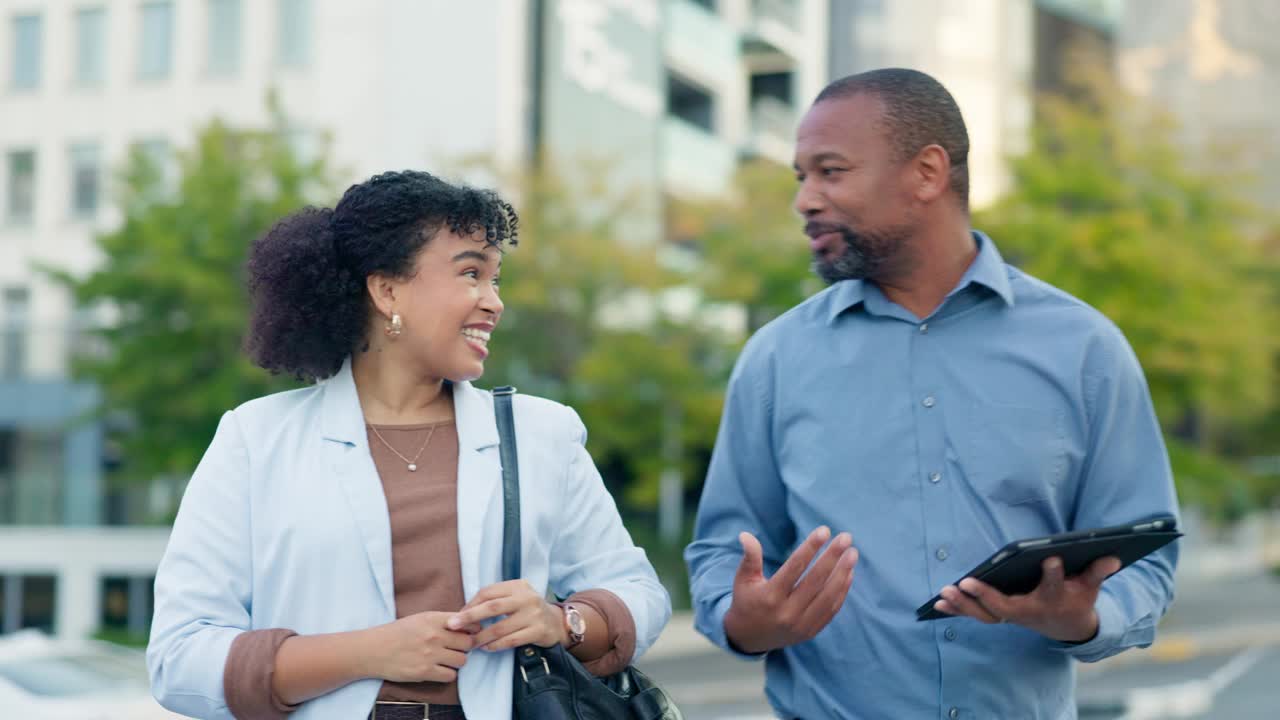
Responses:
[396,326]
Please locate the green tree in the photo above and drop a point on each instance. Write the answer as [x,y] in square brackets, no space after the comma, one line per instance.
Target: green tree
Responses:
[168,355]
[572,270]
[653,397]
[1105,206]
[585,325]
[753,254]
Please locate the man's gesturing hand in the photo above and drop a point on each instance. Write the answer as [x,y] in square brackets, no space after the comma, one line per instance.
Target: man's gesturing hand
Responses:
[793,605]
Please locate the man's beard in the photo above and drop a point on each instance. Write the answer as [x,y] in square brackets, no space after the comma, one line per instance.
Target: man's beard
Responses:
[867,255]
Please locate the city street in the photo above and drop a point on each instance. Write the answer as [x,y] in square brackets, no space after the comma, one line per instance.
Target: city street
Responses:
[1218,656]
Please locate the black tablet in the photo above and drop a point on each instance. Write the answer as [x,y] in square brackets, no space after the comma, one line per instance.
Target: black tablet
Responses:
[1015,568]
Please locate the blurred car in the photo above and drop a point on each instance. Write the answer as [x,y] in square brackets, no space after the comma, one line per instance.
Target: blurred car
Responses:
[42,678]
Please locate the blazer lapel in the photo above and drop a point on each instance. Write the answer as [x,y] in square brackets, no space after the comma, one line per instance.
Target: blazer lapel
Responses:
[479,483]
[346,451]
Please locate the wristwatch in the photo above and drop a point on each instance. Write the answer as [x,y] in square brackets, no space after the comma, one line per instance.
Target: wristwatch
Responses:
[575,624]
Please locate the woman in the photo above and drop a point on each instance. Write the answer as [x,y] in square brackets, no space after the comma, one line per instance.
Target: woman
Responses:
[340,544]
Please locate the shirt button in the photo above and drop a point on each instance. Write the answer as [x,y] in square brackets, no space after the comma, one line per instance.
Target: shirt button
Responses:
[935,477]
[942,553]
[924,327]
[928,401]
[953,713]
[949,633]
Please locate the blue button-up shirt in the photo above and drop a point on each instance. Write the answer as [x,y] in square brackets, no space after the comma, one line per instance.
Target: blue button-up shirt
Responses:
[1014,410]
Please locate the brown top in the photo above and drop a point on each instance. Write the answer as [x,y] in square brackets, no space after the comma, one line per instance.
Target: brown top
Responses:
[422,505]
[424,532]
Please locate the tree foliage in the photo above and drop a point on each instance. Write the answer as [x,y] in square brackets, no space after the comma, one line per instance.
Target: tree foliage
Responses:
[1105,206]
[169,290]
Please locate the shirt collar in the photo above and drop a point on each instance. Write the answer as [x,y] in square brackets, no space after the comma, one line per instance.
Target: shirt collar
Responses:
[987,269]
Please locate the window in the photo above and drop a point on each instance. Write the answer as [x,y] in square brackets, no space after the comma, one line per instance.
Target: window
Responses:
[772,85]
[224,37]
[127,604]
[35,470]
[294,33]
[158,155]
[10,603]
[39,602]
[8,483]
[26,51]
[86,174]
[32,476]
[13,343]
[21,200]
[155,55]
[690,103]
[28,601]
[91,46]
[156,151]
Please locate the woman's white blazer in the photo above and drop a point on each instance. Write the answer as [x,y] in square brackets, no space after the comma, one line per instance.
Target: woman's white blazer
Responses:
[284,525]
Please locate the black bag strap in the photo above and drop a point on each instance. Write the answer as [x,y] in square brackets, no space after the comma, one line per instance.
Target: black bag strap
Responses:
[533,676]
[510,481]
[529,658]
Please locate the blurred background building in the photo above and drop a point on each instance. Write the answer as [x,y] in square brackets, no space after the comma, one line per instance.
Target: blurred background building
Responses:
[685,90]
[669,96]
[1215,65]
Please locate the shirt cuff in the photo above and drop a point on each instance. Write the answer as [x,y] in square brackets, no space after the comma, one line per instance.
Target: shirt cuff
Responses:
[620,626]
[246,679]
[1110,631]
[713,628]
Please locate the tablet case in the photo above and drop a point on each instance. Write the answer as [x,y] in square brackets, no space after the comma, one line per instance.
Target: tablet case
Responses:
[1015,569]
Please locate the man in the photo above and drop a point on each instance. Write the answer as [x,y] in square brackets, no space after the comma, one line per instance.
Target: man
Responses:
[930,406]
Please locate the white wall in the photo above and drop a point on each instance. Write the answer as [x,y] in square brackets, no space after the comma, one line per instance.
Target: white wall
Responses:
[80,558]
[981,50]
[398,83]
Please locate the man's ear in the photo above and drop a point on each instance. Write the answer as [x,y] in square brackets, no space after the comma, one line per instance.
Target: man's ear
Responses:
[931,170]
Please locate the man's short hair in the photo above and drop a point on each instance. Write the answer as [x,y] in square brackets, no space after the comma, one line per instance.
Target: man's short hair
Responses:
[918,111]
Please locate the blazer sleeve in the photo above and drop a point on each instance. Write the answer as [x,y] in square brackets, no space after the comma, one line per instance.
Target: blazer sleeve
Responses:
[204,581]
[595,551]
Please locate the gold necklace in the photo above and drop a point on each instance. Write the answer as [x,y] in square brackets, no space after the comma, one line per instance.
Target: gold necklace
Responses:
[413,464]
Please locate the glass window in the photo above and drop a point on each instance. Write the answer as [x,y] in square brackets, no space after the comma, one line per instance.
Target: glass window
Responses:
[127,604]
[26,51]
[10,602]
[22,186]
[159,157]
[86,176]
[13,350]
[39,602]
[39,472]
[224,37]
[115,603]
[691,103]
[8,481]
[294,33]
[155,150]
[155,55]
[91,46]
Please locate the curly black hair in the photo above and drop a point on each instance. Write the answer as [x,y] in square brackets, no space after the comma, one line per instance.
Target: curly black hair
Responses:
[306,275]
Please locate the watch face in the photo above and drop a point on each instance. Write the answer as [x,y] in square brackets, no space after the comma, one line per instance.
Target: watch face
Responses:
[577,625]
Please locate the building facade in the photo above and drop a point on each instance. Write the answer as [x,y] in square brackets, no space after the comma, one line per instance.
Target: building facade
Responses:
[670,95]
[994,56]
[1214,65]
